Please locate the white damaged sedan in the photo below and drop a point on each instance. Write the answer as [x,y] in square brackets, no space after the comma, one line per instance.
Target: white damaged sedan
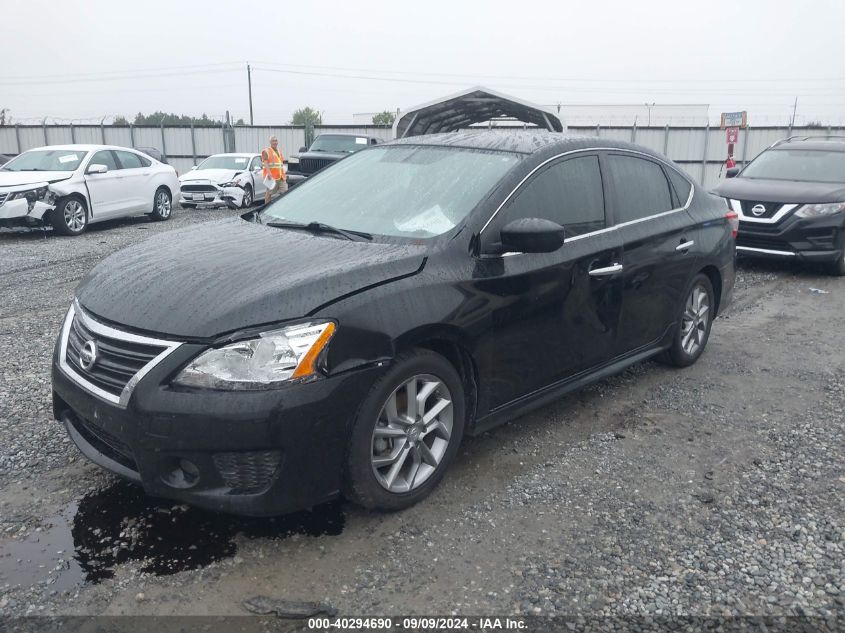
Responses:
[69,187]
[232,180]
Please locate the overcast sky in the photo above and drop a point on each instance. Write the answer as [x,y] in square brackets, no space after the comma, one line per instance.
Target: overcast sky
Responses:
[86,60]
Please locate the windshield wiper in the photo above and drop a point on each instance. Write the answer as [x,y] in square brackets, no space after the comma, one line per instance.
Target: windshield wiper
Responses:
[321,227]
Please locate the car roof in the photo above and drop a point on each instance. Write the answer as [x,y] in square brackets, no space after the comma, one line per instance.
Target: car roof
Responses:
[80,147]
[237,154]
[521,141]
[831,145]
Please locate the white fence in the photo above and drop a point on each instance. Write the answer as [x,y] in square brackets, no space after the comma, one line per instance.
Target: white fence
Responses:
[700,151]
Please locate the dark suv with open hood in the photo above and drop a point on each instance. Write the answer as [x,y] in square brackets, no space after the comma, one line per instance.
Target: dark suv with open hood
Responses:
[347,336]
[791,201]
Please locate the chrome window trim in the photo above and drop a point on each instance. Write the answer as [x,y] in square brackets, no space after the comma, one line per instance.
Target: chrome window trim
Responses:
[766,251]
[609,228]
[100,328]
[777,217]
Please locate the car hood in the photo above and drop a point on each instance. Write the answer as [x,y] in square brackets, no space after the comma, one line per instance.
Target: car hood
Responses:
[214,175]
[14,179]
[783,191]
[325,155]
[234,274]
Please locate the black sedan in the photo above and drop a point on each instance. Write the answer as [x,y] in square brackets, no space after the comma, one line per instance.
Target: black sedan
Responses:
[791,202]
[343,339]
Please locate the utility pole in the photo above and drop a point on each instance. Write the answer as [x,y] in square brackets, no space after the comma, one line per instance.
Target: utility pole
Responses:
[249,82]
[794,110]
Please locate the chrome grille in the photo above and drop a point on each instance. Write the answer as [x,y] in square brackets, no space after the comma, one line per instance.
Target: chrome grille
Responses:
[770,208]
[121,358]
[117,361]
[313,165]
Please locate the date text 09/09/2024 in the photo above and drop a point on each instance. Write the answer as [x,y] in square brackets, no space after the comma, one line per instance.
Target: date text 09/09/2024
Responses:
[417,623]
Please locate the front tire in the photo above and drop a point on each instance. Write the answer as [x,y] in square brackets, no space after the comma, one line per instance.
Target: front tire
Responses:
[248,198]
[406,433]
[70,217]
[695,322]
[837,268]
[162,205]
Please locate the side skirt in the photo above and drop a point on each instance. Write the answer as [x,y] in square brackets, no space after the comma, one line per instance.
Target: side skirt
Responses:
[555,391]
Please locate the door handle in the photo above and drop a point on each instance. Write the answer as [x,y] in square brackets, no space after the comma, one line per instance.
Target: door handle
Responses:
[685,246]
[606,271]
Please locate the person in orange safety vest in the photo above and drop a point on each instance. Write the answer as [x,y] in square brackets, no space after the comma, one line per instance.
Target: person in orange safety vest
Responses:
[271,163]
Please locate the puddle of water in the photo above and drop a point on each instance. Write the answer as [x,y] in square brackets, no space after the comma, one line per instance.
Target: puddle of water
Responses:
[121,523]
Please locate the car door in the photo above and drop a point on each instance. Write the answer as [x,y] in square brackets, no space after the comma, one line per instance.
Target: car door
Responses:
[553,318]
[137,181]
[658,238]
[106,191]
[258,187]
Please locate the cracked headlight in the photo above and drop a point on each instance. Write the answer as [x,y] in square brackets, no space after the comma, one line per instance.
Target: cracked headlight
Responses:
[260,363]
[32,195]
[816,210]
[234,183]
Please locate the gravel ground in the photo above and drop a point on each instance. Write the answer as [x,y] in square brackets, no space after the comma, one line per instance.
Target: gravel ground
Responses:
[718,490]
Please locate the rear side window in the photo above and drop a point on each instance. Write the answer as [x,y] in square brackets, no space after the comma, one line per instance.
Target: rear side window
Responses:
[145,162]
[682,185]
[569,193]
[128,160]
[640,188]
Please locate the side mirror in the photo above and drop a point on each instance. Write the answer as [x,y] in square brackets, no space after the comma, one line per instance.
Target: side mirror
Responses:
[303,149]
[97,168]
[731,172]
[532,235]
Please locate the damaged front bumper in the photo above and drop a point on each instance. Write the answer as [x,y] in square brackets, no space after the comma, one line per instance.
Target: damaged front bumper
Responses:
[27,211]
[210,195]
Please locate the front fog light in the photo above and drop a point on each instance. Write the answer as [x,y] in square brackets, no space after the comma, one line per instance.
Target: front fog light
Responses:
[265,362]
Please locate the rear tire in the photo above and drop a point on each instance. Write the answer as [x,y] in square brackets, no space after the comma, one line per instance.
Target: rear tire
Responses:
[397,455]
[694,324]
[70,217]
[162,205]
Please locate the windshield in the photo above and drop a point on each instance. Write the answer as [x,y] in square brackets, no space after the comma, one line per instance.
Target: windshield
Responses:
[46,160]
[342,144]
[224,162]
[400,190]
[811,165]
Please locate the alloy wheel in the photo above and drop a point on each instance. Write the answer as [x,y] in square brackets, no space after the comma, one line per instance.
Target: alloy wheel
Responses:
[74,214]
[163,204]
[412,433]
[247,202]
[695,320]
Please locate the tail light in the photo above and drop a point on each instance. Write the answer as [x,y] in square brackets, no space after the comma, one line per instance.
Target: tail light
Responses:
[733,220]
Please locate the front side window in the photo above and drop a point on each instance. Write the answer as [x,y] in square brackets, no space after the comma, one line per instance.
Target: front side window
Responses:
[640,188]
[128,160]
[401,191]
[568,192]
[105,157]
[798,164]
[46,160]
[256,163]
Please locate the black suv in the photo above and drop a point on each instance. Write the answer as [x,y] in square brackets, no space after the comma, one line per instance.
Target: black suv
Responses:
[791,201]
[325,150]
[348,335]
